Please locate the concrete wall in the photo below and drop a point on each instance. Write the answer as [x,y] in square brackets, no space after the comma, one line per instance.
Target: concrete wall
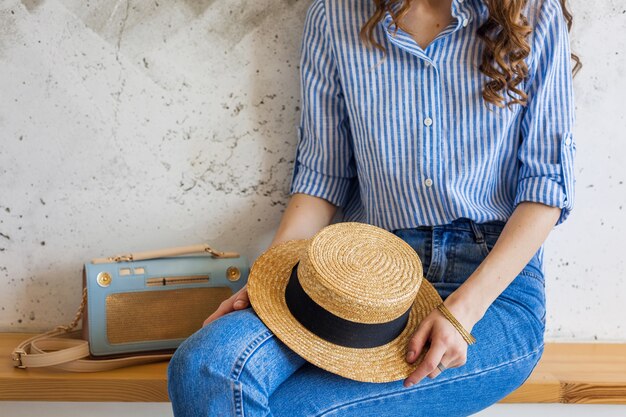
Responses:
[134,125]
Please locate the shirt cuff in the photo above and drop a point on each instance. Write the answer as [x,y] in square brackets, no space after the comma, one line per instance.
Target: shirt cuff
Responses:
[331,188]
[546,190]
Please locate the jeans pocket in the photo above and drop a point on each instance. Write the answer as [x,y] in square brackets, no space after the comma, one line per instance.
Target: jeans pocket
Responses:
[464,254]
[488,242]
[535,289]
[421,242]
[534,268]
[532,274]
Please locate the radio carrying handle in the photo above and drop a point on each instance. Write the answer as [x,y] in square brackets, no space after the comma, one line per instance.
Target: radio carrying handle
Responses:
[161,253]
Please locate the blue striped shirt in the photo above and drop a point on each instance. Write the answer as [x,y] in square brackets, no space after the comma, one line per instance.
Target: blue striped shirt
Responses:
[408,140]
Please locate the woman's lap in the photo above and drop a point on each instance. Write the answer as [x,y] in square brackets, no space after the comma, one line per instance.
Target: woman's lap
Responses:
[236,366]
[509,345]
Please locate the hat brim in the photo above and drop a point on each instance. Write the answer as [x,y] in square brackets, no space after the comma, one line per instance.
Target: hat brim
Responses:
[266,285]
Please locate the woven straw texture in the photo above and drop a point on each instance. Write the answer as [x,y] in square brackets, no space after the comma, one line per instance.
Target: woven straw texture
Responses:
[357,271]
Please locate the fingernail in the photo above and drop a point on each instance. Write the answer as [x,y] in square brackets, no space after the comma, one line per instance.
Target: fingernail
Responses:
[409,355]
[238,303]
[408,384]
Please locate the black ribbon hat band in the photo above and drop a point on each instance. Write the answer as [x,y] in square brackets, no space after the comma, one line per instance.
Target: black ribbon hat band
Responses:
[336,329]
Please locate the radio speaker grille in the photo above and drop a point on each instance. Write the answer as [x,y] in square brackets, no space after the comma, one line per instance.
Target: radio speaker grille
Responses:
[160,315]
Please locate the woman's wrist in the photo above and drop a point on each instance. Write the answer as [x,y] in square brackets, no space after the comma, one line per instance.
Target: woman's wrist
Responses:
[466,309]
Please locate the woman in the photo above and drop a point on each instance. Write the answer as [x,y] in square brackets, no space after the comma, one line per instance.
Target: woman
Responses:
[415,135]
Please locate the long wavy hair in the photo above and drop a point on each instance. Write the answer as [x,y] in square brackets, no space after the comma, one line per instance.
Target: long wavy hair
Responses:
[504,34]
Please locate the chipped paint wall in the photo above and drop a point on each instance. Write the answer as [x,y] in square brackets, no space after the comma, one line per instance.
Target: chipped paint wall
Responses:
[135,125]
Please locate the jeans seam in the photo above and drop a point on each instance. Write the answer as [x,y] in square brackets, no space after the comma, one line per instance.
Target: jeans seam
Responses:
[238,367]
[237,398]
[434,264]
[478,233]
[485,248]
[402,392]
[451,259]
[247,353]
[531,274]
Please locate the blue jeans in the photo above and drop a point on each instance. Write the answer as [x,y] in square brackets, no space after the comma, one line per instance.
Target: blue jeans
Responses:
[235,366]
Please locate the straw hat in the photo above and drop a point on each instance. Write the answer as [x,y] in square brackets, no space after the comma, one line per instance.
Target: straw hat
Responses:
[347,300]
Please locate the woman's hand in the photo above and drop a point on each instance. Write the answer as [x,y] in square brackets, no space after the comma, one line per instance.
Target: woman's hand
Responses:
[237,301]
[446,343]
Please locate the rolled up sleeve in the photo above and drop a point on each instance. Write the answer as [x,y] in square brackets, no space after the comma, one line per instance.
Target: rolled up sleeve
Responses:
[548,148]
[324,163]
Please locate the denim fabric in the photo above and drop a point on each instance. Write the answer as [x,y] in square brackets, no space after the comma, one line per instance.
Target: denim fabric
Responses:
[235,366]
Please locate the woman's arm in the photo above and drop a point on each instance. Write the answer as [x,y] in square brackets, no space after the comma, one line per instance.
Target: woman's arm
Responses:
[544,197]
[524,232]
[304,216]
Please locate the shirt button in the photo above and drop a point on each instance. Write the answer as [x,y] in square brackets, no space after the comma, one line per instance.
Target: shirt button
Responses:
[465,22]
[428,121]
[568,141]
[460,1]
[428,182]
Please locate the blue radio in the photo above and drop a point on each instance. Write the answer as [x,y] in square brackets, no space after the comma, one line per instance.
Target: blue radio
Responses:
[152,301]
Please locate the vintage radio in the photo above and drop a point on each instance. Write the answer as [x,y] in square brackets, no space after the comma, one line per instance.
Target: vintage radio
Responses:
[140,305]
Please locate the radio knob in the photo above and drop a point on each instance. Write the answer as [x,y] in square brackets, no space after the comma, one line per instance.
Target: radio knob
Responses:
[233,273]
[104,279]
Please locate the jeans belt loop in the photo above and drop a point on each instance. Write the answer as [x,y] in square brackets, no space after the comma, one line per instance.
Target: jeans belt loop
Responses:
[478,233]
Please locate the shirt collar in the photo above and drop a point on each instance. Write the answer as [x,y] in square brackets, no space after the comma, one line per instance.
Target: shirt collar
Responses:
[461,9]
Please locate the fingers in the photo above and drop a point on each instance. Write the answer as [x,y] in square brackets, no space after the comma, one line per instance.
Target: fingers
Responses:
[426,366]
[222,309]
[446,347]
[453,358]
[437,371]
[418,340]
[242,299]
[229,305]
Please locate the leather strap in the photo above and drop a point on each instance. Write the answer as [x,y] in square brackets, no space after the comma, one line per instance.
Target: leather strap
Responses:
[69,354]
[160,253]
[54,349]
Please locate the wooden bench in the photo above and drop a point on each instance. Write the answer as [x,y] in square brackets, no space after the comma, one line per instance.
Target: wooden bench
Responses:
[591,373]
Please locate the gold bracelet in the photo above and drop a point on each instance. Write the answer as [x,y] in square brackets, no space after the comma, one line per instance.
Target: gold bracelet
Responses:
[466,335]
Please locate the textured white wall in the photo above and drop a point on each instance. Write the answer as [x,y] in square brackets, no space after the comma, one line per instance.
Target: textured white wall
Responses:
[134,125]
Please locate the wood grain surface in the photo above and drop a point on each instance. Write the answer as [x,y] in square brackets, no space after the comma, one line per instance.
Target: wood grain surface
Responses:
[589,373]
